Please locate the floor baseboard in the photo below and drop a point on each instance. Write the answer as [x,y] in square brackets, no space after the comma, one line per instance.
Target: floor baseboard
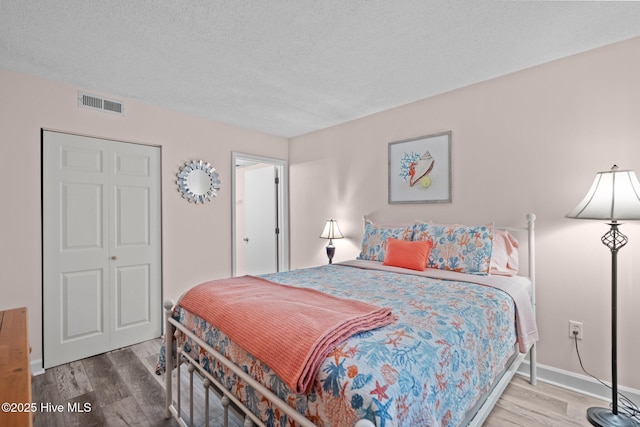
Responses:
[36,367]
[578,383]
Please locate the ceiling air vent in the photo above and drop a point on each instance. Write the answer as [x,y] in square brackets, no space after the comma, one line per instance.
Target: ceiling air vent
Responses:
[98,103]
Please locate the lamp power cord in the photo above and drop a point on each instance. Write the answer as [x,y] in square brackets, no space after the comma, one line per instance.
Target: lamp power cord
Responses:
[625,405]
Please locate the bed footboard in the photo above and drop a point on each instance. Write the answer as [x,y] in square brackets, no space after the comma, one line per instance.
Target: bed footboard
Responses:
[173,409]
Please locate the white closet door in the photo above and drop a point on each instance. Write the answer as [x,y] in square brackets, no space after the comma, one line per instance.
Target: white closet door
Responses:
[101,245]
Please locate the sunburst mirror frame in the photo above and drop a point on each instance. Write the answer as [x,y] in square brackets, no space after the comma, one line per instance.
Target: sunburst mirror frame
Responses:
[198,181]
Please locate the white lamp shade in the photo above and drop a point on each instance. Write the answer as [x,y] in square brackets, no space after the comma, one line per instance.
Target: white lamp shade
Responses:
[331,230]
[614,195]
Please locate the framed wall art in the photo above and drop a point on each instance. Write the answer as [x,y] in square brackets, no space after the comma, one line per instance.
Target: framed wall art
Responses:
[420,169]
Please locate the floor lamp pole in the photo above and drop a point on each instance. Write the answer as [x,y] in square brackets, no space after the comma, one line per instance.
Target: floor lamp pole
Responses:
[614,246]
[614,240]
[614,327]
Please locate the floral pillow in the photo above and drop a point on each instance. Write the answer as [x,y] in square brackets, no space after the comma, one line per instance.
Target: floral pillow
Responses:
[374,241]
[456,247]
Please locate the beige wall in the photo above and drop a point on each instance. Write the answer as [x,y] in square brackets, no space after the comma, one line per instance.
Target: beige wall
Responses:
[528,142]
[196,239]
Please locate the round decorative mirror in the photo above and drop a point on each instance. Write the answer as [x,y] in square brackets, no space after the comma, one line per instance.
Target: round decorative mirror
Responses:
[198,181]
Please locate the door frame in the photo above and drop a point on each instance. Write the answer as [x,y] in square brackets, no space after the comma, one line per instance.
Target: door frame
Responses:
[283,205]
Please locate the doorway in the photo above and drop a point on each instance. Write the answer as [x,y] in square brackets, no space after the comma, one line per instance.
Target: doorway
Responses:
[101,249]
[260,242]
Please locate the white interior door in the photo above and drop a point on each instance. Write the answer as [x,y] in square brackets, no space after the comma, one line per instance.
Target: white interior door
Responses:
[101,245]
[261,220]
[261,205]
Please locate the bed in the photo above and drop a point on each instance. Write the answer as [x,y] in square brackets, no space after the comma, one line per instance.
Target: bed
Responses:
[461,328]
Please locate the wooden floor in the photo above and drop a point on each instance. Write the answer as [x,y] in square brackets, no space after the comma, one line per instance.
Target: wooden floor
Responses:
[118,385]
[541,405]
[123,390]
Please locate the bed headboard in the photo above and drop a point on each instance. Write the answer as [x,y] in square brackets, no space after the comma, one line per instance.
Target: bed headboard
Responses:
[526,258]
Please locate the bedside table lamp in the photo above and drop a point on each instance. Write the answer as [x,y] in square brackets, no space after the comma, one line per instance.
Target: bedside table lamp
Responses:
[614,196]
[331,231]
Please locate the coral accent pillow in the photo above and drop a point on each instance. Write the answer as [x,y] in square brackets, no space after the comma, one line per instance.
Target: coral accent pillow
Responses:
[407,254]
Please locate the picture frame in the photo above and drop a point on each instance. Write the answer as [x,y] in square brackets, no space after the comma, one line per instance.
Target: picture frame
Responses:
[420,169]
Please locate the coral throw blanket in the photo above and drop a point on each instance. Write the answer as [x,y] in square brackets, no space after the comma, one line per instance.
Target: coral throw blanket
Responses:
[290,329]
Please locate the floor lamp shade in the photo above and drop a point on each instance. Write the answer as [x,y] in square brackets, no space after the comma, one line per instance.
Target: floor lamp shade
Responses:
[613,196]
[331,231]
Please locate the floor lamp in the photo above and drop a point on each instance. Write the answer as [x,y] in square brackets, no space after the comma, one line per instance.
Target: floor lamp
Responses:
[614,196]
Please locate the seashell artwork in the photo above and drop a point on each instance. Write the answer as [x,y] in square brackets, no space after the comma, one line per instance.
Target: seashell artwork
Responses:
[420,169]
[415,168]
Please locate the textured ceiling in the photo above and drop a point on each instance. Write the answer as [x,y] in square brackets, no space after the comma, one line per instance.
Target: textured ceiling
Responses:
[289,67]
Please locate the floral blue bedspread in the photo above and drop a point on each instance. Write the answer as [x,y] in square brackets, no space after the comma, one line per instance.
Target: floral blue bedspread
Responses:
[427,369]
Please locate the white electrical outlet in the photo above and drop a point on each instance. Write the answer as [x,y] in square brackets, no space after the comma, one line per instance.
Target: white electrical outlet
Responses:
[575,328]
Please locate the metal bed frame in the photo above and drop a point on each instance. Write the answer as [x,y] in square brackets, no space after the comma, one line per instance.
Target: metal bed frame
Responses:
[174,409]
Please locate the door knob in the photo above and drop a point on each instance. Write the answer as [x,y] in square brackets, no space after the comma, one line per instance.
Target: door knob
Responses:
[246,240]
[114,257]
